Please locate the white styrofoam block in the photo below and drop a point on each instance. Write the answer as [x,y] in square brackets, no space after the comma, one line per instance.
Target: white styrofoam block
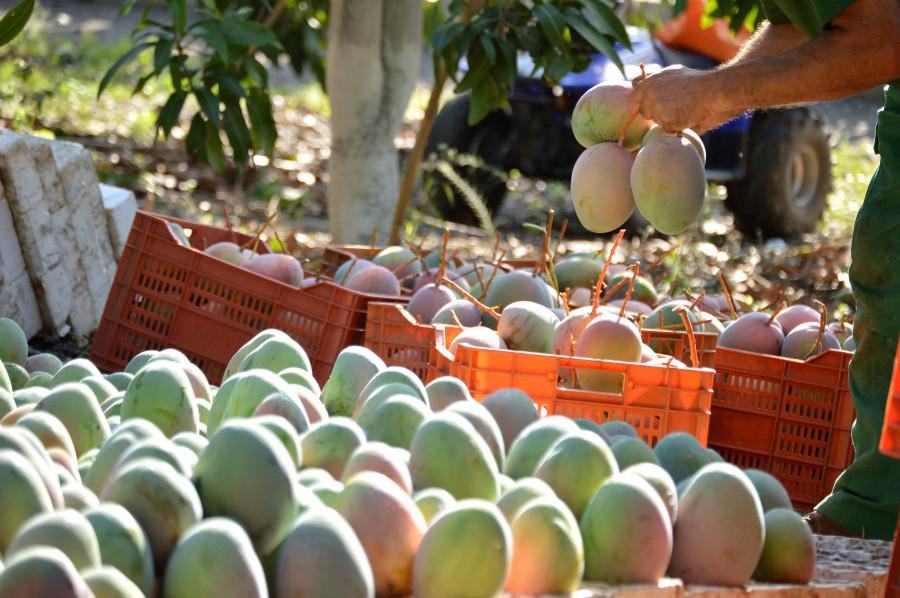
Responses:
[121,208]
[25,196]
[84,315]
[17,300]
[79,177]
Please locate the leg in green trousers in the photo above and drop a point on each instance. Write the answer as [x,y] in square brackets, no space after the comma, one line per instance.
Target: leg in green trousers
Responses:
[866,496]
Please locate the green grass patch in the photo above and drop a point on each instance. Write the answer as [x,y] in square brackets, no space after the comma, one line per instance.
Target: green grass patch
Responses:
[853,164]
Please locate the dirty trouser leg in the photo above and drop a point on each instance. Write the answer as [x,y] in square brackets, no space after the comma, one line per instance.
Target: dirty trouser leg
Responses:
[866,496]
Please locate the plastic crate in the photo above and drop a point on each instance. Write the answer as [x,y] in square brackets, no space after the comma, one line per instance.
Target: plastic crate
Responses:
[890,432]
[788,417]
[655,399]
[395,336]
[168,295]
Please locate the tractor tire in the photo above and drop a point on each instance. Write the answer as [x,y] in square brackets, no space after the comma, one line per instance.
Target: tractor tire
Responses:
[463,146]
[788,177]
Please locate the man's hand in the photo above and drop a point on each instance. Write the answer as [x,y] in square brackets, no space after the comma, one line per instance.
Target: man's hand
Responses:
[678,98]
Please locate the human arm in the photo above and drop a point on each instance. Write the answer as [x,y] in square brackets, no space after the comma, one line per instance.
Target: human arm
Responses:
[851,56]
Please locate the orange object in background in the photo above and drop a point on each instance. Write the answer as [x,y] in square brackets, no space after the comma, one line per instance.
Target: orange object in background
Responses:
[686,31]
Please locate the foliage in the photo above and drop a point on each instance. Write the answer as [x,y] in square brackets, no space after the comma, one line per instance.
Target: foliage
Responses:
[15,20]
[736,12]
[557,35]
[213,59]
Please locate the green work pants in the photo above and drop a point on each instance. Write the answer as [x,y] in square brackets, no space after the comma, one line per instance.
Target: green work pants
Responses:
[866,496]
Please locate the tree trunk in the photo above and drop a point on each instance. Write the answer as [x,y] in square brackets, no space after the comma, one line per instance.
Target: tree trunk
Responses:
[374,51]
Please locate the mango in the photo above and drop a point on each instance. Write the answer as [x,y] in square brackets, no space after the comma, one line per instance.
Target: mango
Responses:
[353,368]
[241,395]
[661,481]
[792,316]
[7,403]
[755,332]
[49,430]
[22,494]
[108,582]
[13,343]
[376,280]
[389,527]
[444,390]
[286,407]
[77,408]
[301,377]
[668,180]
[470,536]
[612,337]
[772,494]
[720,532]
[79,497]
[162,394]
[370,402]
[107,457]
[575,466]
[477,336]
[163,501]
[123,543]
[330,443]
[18,375]
[627,533]
[601,187]
[399,260]
[284,433]
[322,557]
[548,554]
[139,361]
[513,410]
[380,458]
[533,442]
[629,451]
[24,442]
[789,551]
[349,268]
[74,371]
[680,454]
[521,492]
[281,267]
[67,530]
[246,474]
[48,363]
[42,571]
[514,286]
[276,354]
[214,557]
[461,311]
[527,326]
[447,452]
[429,299]
[657,131]
[395,420]
[603,110]
[804,341]
[432,501]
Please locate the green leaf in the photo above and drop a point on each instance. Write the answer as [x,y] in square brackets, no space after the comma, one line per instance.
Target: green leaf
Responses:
[225,82]
[533,227]
[161,54]
[178,12]
[488,45]
[559,65]
[127,57]
[606,21]
[257,72]
[139,86]
[176,70]
[248,33]
[486,97]
[259,107]
[209,32]
[126,7]
[13,22]
[508,57]
[445,35]
[236,131]
[479,67]
[209,103]
[170,112]
[212,144]
[193,143]
[552,23]
[596,39]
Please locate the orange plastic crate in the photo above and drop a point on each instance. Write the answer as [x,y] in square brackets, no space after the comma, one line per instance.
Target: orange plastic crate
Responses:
[890,432]
[789,417]
[168,295]
[395,336]
[655,399]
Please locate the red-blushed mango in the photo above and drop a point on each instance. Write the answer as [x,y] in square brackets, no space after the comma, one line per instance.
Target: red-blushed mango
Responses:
[322,557]
[25,443]
[399,260]
[22,494]
[288,407]
[789,552]
[42,571]
[601,187]
[459,310]
[381,458]
[277,266]
[447,452]
[49,430]
[106,581]
[627,533]
[610,337]
[67,530]
[603,110]
[794,315]
[123,543]
[466,552]
[389,526]
[374,279]
[656,131]
[548,554]
[520,492]
[513,410]
[214,557]
[669,184]
[575,467]
[349,268]
[532,443]
[477,336]
[661,482]
[719,531]
[301,377]
[755,332]
[428,300]
[163,501]
[567,333]
[245,473]
[330,443]
[804,341]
